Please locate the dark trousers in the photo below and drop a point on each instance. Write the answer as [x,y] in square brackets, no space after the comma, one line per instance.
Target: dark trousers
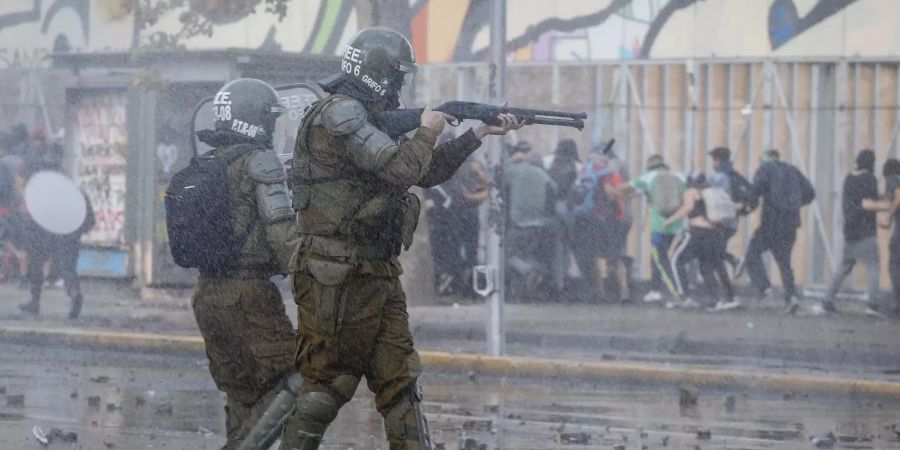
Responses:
[707,246]
[444,244]
[63,256]
[894,265]
[660,263]
[728,233]
[780,241]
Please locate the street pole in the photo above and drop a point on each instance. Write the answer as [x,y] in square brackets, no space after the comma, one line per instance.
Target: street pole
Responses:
[496,259]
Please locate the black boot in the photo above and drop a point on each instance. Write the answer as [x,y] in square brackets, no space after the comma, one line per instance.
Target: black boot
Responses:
[32,307]
[76,306]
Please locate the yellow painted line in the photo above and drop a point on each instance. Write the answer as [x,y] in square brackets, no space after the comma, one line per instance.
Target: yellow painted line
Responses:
[513,366]
[72,336]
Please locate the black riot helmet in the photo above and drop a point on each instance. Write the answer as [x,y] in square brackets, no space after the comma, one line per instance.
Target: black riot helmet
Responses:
[246,110]
[376,61]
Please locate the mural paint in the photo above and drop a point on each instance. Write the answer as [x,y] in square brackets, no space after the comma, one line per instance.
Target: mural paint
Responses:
[457,30]
[99,142]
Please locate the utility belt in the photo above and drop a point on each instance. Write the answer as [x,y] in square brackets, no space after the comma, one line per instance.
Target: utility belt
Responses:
[330,261]
[240,274]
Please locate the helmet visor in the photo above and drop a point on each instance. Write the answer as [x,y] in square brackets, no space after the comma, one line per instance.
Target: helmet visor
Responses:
[407,67]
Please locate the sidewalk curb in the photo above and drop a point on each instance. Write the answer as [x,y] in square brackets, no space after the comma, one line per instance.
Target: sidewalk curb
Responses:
[501,366]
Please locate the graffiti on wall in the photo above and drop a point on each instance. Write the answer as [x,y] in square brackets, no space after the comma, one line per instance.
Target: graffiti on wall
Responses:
[457,30]
[99,138]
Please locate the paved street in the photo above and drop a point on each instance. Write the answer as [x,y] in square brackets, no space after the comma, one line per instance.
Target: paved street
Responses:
[755,338]
[134,400]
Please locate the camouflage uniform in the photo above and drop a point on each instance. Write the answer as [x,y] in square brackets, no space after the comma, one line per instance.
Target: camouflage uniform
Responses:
[350,190]
[249,339]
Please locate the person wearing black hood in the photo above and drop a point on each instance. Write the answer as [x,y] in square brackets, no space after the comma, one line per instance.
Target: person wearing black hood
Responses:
[861,202]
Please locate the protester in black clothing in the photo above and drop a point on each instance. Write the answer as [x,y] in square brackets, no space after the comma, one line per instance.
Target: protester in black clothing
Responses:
[564,167]
[892,192]
[704,242]
[784,190]
[60,250]
[860,204]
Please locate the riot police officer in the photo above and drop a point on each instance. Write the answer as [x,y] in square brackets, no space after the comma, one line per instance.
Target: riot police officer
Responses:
[350,183]
[249,339]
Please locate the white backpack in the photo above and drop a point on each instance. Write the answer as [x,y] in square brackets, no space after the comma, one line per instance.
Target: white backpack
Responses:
[719,206]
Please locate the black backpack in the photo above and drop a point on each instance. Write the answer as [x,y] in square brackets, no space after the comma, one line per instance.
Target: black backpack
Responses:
[741,189]
[199,214]
[789,189]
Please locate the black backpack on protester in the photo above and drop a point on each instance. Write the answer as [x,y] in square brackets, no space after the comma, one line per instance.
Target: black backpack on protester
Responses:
[790,189]
[199,214]
[741,189]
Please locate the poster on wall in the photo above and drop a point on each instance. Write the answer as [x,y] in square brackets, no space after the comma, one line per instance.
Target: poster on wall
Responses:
[99,144]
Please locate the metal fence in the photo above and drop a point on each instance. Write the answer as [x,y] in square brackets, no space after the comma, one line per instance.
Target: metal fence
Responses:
[817,112]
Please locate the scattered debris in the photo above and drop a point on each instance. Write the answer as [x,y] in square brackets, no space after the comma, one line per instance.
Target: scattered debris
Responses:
[65,436]
[687,395]
[619,447]
[730,403]
[579,438]
[206,432]
[15,401]
[94,401]
[165,408]
[112,407]
[467,443]
[896,429]
[665,441]
[39,435]
[139,401]
[472,377]
[2,390]
[704,435]
[477,425]
[492,408]
[788,396]
[108,444]
[74,394]
[100,379]
[642,434]
[823,442]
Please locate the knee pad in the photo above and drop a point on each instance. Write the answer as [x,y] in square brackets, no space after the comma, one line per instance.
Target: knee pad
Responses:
[405,424]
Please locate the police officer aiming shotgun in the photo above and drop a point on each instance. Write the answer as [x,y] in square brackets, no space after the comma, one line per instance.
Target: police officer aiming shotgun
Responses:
[350,183]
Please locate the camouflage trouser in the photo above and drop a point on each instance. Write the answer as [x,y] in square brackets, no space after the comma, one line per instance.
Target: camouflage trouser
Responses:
[364,333]
[250,344]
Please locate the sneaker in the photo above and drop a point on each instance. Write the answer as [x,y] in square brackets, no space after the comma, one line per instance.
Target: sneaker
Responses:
[31,308]
[653,297]
[871,311]
[671,304]
[690,303]
[792,307]
[726,306]
[765,293]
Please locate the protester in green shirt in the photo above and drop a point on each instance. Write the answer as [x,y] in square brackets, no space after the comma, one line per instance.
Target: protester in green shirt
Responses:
[663,189]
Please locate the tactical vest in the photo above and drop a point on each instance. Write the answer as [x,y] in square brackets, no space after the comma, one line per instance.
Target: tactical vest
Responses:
[334,198]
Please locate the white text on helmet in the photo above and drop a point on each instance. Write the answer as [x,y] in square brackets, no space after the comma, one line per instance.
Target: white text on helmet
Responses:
[352,53]
[373,84]
[239,126]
